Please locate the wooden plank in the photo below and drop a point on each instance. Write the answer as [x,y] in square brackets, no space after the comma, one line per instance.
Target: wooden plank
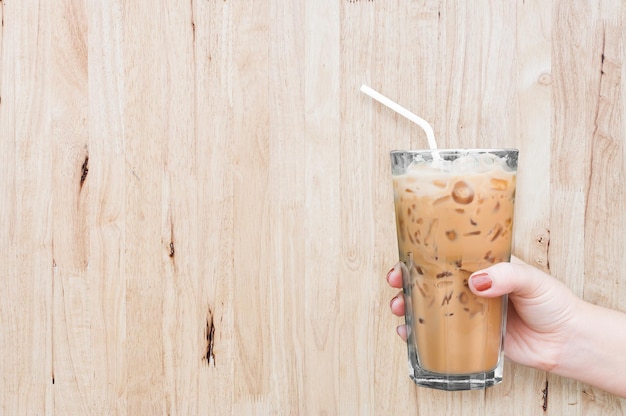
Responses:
[213,22]
[252,204]
[72,310]
[286,325]
[26,261]
[355,275]
[322,223]
[182,328]
[105,181]
[145,148]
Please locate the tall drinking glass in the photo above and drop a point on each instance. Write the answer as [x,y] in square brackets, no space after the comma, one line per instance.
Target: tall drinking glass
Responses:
[454,216]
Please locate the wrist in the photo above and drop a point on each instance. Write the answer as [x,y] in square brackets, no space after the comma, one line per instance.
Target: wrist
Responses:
[594,353]
[570,360]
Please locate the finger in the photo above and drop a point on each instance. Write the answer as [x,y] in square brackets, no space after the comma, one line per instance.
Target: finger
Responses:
[519,279]
[397,304]
[401,330]
[394,277]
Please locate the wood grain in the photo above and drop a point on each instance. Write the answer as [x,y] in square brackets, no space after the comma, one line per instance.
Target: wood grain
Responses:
[196,213]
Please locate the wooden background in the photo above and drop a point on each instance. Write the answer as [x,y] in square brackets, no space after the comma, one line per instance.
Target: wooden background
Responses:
[196,211]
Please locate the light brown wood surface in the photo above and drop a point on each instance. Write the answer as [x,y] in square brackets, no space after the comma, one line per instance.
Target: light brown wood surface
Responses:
[196,213]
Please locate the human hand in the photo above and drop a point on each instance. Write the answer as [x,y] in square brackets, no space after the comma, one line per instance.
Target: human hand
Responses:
[541,312]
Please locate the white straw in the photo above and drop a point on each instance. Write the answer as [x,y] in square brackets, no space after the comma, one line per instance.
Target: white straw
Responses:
[430,135]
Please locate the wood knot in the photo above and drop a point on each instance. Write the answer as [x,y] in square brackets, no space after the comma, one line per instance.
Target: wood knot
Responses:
[84,171]
[545,79]
[209,333]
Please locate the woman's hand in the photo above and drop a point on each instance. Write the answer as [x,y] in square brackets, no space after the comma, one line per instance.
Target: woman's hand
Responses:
[548,327]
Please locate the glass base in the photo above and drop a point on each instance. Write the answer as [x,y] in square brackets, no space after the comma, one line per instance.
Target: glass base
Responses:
[444,337]
[456,382]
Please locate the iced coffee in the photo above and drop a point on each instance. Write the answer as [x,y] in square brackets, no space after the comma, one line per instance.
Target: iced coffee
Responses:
[454,216]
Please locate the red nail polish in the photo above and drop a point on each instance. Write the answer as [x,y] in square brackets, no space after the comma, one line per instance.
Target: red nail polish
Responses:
[389,272]
[481,281]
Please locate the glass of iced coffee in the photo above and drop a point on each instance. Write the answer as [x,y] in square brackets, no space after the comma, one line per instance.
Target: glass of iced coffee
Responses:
[454,216]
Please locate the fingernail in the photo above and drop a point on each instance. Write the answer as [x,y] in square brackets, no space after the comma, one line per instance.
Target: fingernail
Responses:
[402,331]
[389,273]
[393,300]
[481,281]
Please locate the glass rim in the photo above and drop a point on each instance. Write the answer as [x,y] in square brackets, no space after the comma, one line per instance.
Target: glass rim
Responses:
[456,150]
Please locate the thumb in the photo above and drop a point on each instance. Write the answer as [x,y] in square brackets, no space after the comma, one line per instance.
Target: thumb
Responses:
[517,278]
